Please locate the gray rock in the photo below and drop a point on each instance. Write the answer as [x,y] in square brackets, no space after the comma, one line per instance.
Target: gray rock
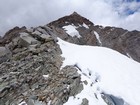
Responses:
[42,31]
[74,79]
[5,54]
[2,51]
[108,100]
[36,32]
[85,102]
[25,40]
[30,29]
[22,78]
[113,100]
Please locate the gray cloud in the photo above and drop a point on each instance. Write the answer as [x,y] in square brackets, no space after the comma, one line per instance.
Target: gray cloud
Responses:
[39,12]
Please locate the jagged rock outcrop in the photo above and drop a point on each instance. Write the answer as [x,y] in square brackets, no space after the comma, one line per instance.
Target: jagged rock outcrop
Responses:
[7,38]
[32,75]
[124,41]
[74,18]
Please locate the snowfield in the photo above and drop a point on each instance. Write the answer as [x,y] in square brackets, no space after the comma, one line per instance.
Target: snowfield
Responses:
[107,70]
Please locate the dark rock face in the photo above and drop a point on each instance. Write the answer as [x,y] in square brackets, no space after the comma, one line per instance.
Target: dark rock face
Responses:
[124,41]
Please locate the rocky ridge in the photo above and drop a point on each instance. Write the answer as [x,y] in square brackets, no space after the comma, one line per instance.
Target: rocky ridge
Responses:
[31,74]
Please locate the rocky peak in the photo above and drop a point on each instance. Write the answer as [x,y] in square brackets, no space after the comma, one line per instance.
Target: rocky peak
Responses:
[74,13]
[74,18]
[86,33]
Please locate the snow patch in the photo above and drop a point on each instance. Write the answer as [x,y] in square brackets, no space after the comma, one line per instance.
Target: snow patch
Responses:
[98,37]
[85,25]
[46,76]
[129,56]
[49,103]
[71,30]
[22,103]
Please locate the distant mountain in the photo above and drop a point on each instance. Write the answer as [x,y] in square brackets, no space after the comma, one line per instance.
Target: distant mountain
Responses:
[124,41]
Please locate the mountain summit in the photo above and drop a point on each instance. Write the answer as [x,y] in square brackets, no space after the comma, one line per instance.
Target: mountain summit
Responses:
[77,29]
[74,18]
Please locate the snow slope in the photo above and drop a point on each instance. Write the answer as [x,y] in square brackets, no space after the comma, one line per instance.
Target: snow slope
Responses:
[109,72]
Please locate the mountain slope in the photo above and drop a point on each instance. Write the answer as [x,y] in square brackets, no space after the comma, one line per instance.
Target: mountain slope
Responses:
[109,71]
[124,41]
[39,68]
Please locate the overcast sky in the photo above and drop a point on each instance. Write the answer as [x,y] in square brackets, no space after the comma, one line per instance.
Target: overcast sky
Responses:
[31,13]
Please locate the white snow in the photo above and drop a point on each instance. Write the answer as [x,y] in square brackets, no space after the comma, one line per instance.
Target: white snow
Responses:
[88,93]
[71,30]
[66,22]
[85,25]
[49,103]
[129,56]
[111,72]
[124,33]
[23,103]
[46,76]
[98,37]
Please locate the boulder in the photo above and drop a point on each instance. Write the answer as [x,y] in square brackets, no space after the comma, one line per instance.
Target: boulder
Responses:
[25,40]
[85,102]
[113,100]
